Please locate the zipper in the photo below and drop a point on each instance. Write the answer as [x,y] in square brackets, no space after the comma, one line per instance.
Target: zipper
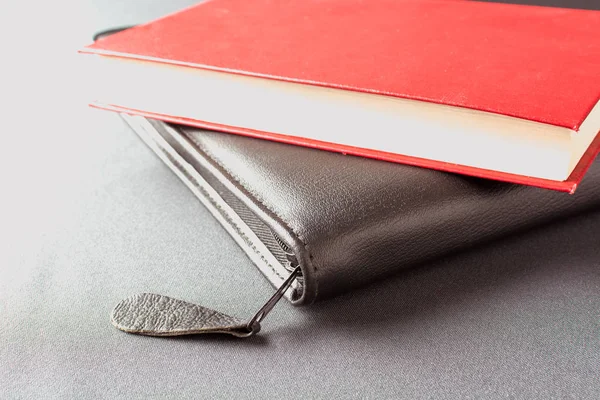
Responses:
[292,261]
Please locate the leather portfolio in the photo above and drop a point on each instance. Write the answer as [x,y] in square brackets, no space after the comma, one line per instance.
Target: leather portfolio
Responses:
[345,221]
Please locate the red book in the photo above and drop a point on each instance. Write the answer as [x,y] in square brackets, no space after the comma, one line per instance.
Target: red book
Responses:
[499,91]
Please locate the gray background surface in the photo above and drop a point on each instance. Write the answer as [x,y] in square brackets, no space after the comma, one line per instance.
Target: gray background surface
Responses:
[89,216]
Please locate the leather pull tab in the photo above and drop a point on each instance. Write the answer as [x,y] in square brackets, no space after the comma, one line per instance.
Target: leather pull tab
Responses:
[157,315]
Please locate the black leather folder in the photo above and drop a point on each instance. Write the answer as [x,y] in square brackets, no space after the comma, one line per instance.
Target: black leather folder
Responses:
[346,221]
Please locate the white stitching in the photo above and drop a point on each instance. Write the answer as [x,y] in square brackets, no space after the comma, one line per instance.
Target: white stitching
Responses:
[225,215]
[257,197]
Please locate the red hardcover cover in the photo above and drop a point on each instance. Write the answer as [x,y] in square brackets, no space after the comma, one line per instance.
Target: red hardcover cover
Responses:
[534,63]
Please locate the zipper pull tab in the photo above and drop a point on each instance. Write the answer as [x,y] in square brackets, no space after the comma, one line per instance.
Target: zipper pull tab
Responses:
[157,315]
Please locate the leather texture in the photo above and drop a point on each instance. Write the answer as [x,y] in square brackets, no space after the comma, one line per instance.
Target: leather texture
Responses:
[351,221]
[157,315]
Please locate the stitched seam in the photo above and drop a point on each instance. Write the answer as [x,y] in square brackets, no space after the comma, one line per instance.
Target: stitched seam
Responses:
[258,198]
[226,216]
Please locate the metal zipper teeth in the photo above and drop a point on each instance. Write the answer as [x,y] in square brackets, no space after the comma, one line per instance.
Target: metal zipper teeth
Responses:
[286,249]
[292,260]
